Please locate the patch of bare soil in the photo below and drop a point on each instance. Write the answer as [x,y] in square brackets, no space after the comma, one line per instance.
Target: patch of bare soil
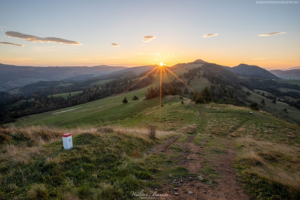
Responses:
[163,147]
[191,187]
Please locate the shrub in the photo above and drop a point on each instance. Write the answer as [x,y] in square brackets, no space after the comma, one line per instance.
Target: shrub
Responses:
[125,100]
[199,99]
[4,137]
[254,106]
[135,98]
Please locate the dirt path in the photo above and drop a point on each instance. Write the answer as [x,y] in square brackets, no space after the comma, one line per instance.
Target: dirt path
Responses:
[216,171]
[164,146]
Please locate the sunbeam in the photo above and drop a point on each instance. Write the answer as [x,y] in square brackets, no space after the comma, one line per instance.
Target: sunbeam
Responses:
[180,79]
[160,90]
[138,81]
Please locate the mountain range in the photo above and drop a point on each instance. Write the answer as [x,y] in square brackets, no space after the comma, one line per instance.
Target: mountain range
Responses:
[288,74]
[251,71]
[12,76]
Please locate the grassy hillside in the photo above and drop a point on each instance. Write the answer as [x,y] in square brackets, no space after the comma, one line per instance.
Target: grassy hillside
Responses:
[294,82]
[293,114]
[202,151]
[110,162]
[65,95]
[111,110]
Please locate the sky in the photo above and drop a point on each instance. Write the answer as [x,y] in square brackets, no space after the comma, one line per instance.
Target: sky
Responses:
[147,32]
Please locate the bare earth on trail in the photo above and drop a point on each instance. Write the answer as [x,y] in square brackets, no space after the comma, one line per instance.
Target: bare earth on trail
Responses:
[226,186]
[209,160]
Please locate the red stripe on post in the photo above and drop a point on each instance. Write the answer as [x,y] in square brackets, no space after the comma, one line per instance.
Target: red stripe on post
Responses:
[67,134]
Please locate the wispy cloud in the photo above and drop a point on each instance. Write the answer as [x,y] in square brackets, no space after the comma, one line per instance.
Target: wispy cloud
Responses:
[32,38]
[210,35]
[269,34]
[115,45]
[148,38]
[9,43]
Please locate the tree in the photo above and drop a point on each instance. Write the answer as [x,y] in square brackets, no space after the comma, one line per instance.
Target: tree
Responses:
[186,91]
[254,106]
[125,100]
[181,102]
[135,98]
[200,99]
[285,110]
[274,100]
[263,102]
[206,95]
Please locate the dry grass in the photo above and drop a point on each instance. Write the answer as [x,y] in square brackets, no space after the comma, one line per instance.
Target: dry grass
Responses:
[190,129]
[35,137]
[37,191]
[279,163]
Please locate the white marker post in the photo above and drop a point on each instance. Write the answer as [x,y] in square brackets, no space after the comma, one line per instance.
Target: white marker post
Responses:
[67,141]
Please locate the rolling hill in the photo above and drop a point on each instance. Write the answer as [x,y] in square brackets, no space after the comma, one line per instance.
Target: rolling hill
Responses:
[224,85]
[288,74]
[206,149]
[251,71]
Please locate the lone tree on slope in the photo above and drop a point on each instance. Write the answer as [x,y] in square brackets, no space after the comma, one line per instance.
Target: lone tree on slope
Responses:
[254,106]
[125,100]
[135,98]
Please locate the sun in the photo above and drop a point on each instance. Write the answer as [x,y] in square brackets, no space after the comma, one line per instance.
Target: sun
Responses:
[161,64]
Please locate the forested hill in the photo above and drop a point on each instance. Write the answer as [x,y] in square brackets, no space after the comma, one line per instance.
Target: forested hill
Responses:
[251,71]
[15,76]
[288,74]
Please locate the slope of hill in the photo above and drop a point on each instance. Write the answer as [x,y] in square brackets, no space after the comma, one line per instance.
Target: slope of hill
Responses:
[135,70]
[251,71]
[225,87]
[14,76]
[197,144]
[288,74]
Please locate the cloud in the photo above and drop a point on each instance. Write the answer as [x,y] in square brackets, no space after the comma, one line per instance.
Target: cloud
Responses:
[269,34]
[148,38]
[32,38]
[210,35]
[9,43]
[115,45]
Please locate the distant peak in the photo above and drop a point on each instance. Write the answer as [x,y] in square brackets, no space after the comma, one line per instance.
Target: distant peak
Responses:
[199,61]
